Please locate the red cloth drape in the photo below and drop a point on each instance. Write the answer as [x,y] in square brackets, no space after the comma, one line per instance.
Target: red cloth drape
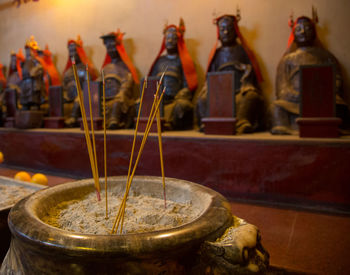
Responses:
[2,76]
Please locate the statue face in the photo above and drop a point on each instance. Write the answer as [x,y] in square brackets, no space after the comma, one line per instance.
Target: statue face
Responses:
[304,32]
[227,33]
[13,65]
[171,40]
[72,49]
[28,52]
[111,47]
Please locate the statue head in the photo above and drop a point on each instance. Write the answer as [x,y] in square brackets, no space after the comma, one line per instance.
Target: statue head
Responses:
[31,46]
[72,50]
[171,40]
[304,32]
[227,32]
[109,40]
[13,62]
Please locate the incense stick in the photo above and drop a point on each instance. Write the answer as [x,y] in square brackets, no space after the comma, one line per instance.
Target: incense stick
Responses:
[121,210]
[104,137]
[159,128]
[92,124]
[137,160]
[117,218]
[136,128]
[123,205]
[135,134]
[87,137]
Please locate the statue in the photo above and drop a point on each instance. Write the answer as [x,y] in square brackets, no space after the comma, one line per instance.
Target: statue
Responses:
[32,84]
[180,79]
[15,71]
[303,49]
[236,57]
[51,75]
[120,76]
[70,94]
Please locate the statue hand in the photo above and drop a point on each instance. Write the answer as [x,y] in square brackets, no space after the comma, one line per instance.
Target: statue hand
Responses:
[247,70]
[290,95]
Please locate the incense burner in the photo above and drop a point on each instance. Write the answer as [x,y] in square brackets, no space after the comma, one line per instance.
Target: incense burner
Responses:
[5,235]
[38,248]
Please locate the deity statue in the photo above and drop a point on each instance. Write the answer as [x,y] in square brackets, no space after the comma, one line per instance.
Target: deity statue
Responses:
[180,78]
[120,77]
[303,49]
[51,75]
[70,94]
[32,85]
[15,71]
[236,57]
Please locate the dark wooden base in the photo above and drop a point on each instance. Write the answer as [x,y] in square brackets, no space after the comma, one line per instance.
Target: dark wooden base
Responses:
[29,119]
[98,124]
[53,122]
[219,125]
[154,129]
[320,127]
[258,167]
[9,122]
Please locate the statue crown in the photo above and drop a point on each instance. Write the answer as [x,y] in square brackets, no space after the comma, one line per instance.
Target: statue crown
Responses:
[31,43]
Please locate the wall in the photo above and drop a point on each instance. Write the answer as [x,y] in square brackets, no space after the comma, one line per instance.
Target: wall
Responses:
[264,24]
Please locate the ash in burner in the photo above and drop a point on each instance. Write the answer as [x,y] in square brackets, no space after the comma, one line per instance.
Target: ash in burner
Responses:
[143,214]
[10,194]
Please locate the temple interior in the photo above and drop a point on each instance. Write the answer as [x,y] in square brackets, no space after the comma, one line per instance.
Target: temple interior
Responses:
[294,189]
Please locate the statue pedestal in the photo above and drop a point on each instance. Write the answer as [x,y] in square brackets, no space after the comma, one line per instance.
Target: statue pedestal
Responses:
[95,91]
[11,107]
[29,119]
[54,122]
[55,119]
[146,107]
[143,123]
[322,127]
[220,118]
[97,122]
[9,122]
[219,125]
[318,102]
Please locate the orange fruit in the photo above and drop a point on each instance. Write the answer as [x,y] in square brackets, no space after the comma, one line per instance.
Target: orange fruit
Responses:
[23,176]
[39,179]
[1,157]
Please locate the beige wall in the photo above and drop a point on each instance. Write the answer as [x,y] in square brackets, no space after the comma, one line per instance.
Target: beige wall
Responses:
[263,24]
